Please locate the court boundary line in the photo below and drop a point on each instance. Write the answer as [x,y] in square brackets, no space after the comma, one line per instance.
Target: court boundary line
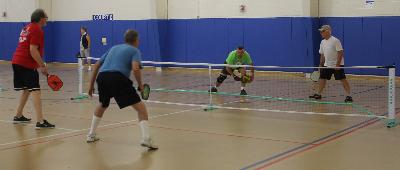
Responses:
[302,148]
[106,125]
[155,126]
[268,110]
[32,124]
[319,144]
[100,127]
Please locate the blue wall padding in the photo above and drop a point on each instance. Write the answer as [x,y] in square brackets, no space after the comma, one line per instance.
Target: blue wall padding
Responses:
[162,26]
[290,41]
[220,41]
[10,35]
[66,40]
[176,41]
[337,25]
[235,33]
[200,41]
[390,41]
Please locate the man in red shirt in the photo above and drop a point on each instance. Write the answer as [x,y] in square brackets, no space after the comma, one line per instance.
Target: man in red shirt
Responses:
[26,61]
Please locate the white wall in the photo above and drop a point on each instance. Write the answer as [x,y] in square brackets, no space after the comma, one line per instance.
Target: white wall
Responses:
[182,9]
[350,8]
[17,10]
[75,10]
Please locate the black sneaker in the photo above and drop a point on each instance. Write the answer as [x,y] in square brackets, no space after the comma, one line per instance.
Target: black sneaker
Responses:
[21,119]
[44,125]
[315,96]
[243,92]
[213,90]
[348,99]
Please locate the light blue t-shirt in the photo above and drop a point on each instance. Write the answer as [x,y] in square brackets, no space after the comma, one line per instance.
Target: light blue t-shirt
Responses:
[119,58]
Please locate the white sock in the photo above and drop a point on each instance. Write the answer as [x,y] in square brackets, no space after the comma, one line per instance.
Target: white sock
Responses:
[95,123]
[241,88]
[144,127]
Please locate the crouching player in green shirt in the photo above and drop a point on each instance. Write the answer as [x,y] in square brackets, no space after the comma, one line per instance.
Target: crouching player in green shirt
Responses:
[236,57]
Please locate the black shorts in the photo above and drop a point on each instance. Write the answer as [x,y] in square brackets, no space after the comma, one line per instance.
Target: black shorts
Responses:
[25,78]
[225,69]
[116,85]
[326,73]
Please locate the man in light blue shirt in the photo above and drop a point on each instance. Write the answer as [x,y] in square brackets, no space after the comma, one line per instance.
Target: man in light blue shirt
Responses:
[119,59]
[113,71]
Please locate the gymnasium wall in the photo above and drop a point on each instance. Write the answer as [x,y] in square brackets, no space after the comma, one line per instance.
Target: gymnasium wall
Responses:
[10,26]
[274,32]
[369,35]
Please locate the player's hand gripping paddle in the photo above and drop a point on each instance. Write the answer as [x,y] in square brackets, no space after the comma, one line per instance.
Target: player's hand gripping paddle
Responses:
[246,79]
[315,76]
[145,92]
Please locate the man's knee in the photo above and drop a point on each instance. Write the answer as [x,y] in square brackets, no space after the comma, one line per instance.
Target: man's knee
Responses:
[221,78]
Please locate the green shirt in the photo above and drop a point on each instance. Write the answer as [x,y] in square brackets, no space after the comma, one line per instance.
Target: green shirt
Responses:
[233,59]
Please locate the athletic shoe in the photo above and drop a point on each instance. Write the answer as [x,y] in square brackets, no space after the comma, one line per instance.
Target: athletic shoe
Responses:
[91,138]
[315,96]
[21,119]
[149,143]
[243,92]
[44,125]
[348,99]
[213,90]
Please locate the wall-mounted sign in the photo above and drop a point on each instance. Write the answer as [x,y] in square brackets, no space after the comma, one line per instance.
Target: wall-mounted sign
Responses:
[103,17]
[369,4]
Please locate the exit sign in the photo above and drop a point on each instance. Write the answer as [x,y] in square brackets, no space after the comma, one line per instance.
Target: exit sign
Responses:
[103,17]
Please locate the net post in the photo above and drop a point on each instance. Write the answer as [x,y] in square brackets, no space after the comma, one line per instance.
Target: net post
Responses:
[80,71]
[210,106]
[80,80]
[391,122]
[1,88]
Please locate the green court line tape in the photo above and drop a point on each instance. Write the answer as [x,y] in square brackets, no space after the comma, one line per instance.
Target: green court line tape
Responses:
[80,97]
[251,96]
[359,108]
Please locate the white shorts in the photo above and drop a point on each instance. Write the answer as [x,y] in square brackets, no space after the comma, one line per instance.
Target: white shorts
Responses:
[85,53]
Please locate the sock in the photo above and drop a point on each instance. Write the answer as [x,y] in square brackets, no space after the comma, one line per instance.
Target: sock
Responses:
[95,123]
[144,127]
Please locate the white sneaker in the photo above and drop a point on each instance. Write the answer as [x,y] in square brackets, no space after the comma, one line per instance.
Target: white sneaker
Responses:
[149,143]
[91,138]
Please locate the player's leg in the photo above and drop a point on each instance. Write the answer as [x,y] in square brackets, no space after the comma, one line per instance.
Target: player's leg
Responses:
[125,95]
[104,102]
[83,56]
[89,61]
[340,75]
[19,85]
[221,78]
[325,75]
[31,80]
[22,102]
[243,85]
[144,125]
[98,114]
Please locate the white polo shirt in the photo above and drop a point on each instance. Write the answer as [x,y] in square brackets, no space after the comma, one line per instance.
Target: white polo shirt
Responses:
[330,48]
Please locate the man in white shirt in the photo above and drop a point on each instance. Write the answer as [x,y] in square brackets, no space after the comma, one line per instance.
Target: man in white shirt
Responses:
[331,51]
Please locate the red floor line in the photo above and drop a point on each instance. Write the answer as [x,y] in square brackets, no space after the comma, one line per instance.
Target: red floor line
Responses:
[269,164]
[317,145]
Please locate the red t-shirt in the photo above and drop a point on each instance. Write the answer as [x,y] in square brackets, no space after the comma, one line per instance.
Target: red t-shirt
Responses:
[32,34]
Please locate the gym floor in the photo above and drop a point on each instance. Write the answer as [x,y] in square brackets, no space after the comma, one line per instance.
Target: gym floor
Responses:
[190,138]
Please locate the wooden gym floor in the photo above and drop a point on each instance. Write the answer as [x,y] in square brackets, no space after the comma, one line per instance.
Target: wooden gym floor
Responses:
[192,139]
